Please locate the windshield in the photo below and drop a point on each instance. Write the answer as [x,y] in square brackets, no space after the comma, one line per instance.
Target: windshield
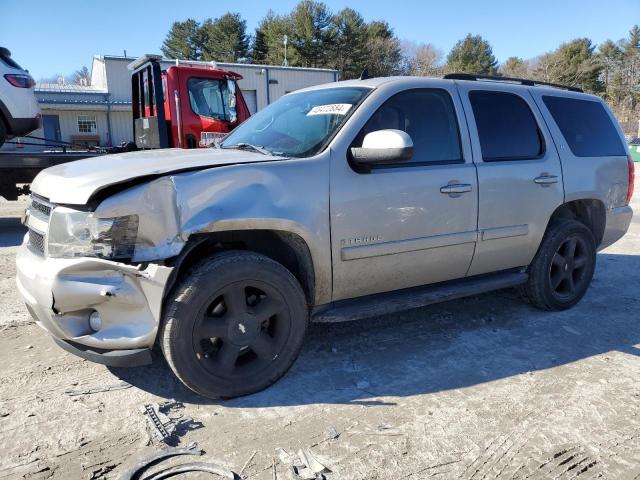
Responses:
[208,98]
[299,124]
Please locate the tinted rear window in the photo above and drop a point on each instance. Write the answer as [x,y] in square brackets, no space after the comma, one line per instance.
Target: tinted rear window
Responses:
[506,126]
[586,126]
[9,62]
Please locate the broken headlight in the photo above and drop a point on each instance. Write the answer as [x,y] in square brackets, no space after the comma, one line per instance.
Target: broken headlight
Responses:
[82,234]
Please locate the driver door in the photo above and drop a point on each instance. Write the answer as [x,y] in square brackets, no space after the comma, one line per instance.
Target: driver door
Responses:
[410,223]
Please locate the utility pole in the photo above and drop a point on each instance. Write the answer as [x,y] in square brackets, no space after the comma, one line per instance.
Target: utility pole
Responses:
[286,40]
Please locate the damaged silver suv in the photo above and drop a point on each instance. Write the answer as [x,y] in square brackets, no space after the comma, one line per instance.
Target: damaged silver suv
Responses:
[336,202]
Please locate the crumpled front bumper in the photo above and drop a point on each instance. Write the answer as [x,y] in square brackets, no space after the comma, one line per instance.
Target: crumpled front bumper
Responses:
[61,294]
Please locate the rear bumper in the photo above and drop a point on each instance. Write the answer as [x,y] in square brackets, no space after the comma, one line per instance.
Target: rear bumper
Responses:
[23,126]
[618,221]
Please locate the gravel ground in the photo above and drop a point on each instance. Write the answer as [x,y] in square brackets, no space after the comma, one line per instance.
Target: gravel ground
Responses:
[485,387]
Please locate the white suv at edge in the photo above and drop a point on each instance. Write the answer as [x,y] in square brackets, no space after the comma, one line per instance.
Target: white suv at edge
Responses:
[19,111]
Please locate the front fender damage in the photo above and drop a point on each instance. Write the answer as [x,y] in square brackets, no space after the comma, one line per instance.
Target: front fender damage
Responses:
[173,208]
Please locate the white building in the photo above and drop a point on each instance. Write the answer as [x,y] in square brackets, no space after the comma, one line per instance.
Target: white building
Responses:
[100,113]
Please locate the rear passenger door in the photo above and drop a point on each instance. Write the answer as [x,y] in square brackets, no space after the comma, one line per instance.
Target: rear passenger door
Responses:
[519,174]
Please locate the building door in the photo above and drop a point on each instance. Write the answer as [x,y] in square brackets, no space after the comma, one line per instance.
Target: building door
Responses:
[251,100]
[412,223]
[51,127]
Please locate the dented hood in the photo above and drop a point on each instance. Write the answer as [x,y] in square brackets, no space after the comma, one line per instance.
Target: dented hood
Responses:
[75,182]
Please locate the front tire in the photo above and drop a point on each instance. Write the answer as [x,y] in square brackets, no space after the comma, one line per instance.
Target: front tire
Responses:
[561,271]
[234,325]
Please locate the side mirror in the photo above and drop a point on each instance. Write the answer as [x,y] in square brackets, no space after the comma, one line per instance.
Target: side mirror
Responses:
[231,88]
[384,146]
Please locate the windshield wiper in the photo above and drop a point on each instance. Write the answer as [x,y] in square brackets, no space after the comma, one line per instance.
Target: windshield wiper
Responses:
[248,146]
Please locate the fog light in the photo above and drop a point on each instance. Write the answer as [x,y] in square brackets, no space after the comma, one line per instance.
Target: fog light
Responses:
[95,321]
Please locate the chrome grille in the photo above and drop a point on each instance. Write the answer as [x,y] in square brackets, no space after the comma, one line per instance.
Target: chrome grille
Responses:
[36,241]
[41,206]
[38,212]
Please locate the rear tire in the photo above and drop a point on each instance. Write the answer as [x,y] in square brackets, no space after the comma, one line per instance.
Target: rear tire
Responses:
[234,325]
[561,271]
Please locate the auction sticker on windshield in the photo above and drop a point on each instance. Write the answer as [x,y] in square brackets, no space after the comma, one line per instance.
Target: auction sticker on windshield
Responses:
[331,109]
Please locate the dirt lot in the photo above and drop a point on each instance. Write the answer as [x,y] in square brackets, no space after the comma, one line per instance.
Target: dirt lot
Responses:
[481,388]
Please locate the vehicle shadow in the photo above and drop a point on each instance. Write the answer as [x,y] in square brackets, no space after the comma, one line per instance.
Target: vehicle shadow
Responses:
[448,346]
[11,231]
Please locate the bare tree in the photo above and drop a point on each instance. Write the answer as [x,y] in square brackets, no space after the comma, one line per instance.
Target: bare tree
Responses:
[82,76]
[422,59]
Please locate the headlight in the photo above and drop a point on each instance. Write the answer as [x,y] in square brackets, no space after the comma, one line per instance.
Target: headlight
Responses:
[81,234]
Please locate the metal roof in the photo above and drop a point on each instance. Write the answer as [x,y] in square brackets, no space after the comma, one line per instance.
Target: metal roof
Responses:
[224,64]
[68,88]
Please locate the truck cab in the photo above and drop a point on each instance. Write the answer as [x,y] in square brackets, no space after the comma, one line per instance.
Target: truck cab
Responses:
[200,102]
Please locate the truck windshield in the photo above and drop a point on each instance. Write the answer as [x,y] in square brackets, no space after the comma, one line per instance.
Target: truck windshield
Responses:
[208,98]
[299,124]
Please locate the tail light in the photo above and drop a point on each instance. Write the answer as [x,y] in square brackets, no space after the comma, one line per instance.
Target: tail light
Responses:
[632,177]
[20,81]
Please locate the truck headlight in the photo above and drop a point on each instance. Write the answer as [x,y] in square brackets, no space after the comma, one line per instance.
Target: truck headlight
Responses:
[82,234]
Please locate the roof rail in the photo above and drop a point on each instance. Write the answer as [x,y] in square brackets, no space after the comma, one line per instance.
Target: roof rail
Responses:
[521,81]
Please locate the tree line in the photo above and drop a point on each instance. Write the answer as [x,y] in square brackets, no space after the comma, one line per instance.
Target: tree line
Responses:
[317,37]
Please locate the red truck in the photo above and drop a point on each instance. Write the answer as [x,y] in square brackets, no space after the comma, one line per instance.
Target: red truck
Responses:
[185,106]
[196,99]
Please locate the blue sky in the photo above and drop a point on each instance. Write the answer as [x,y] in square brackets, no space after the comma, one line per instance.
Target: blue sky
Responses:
[49,37]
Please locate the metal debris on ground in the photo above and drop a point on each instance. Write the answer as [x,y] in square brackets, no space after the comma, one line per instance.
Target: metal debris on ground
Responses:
[304,465]
[89,391]
[166,423]
[161,425]
[332,433]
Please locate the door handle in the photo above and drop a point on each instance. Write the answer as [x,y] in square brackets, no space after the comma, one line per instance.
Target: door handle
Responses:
[546,179]
[456,188]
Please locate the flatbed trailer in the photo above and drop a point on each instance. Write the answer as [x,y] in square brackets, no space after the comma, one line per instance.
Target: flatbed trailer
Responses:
[20,168]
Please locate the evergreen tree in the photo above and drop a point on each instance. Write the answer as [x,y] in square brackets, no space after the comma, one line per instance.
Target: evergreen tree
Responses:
[633,43]
[259,49]
[473,54]
[384,55]
[182,41]
[273,28]
[349,52]
[225,38]
[576,64]
[312,37]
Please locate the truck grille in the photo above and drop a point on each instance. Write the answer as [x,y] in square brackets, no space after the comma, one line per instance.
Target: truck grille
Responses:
[40,210]
[36,241]
[41,206]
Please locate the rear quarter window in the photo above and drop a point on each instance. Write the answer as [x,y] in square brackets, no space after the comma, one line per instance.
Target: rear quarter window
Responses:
[586,126]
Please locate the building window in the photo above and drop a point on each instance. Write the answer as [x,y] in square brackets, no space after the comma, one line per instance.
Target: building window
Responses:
[87,124]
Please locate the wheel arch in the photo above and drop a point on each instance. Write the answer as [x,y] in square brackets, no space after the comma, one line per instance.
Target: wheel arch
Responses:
[4,118]
[285,247]
[589,211]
